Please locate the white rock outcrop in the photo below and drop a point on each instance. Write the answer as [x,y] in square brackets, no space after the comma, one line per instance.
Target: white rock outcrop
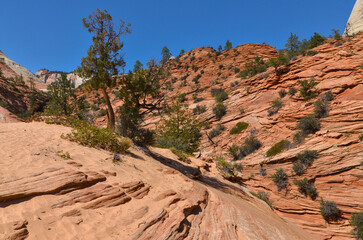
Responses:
[355,22]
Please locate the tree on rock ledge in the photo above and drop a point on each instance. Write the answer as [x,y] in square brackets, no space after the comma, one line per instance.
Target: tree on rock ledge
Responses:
[103,62]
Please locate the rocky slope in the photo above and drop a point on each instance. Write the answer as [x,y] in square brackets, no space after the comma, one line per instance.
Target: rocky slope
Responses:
[47,77]
[337,173]
[148,195]
[16,67]
[16,97]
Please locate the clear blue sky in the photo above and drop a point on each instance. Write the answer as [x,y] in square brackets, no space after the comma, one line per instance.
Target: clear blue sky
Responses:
[49,33]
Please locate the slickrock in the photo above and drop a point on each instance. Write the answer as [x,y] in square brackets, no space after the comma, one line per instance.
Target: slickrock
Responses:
[44,197]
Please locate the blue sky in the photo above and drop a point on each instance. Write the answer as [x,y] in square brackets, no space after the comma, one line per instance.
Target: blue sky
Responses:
[49,33]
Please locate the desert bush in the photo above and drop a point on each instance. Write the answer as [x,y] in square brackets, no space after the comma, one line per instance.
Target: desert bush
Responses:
[357,222]
[277,148]
[304,160]
[250,145]
[307,157]
[198,99]
[240,126]
[307,188]
[282,93]
[264,196]
[280,178]
[179,130]
[292,91]
[311,52]
[306,90]
[320,109]
[228,170]
[196,79]
[219,94]
[219,110]
[253,67]
[360,137]
[309,124]
[298,137]
[242,111]
[329,210]
[95,137]
[233,151]
[328,96]
[263,171]
[199,109]
[216,131]
[276,105]
[182,156]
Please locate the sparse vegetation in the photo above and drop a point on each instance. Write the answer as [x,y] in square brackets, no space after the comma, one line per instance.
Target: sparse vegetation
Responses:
[219,110]
[179,130]
[95,137]
[199,109]
[253,67]
[216,131]
[292,91]
[276,105]
[309,124]
[264,196]
[229,170]
[250,145]
[357,222]
[240,126]
[233,151]
[280,178]
[320,109]
[304,160]
[64,155]
[277,148]
[306,90]
[329,210]
[282,93]
[219,94]
[307,188]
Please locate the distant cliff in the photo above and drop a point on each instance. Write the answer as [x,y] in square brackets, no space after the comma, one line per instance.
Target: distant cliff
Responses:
[355,22]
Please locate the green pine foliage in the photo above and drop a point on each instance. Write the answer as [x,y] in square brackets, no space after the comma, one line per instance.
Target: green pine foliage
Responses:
[277,148]
[240,126]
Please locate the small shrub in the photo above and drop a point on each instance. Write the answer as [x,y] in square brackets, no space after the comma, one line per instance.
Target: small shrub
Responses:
[233,151]
[242,111]
[306,188]
[311,52]
[263,171]
[103,138]
[182,97]
[276,106]
[277,148]
[307,157]
[199,109]
[182,156]
[298,137]
[292,91]
[238,128]
[306,90]
[280,178]
[360,137]
[219,110]
[196,79]
[198,99]
[228,170]
[250,145]
[320,109]
[329,210]
[264,196]
[357,222]
[216,131]
[64,155]
[219,94]
[304,160]
[309,124]
[328,96]
[282,93]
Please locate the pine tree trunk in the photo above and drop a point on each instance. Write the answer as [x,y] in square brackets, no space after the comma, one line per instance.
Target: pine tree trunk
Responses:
[110,112]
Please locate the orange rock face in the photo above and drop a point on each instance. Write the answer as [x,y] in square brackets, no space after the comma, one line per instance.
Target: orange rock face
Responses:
[147,195]
[336,173]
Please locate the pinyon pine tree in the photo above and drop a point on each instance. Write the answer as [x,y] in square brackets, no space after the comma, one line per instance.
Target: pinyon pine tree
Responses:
[103,61]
